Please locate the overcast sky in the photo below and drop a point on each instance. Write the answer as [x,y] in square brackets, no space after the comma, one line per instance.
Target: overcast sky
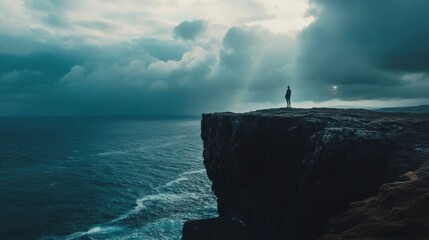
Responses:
[158,57]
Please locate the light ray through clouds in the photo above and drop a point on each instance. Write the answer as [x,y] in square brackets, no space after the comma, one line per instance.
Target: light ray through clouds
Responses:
[248,79]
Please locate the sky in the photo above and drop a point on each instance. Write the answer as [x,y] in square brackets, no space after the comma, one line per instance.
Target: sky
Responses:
[185,57]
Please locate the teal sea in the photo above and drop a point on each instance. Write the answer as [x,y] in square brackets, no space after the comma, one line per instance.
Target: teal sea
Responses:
[101,178]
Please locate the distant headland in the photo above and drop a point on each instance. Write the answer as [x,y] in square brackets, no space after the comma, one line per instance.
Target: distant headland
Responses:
[420,108]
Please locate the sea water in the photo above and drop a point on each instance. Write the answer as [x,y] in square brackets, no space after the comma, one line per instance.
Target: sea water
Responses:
[101,178]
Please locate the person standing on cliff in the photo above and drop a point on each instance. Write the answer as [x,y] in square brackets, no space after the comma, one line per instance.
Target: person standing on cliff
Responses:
[287,96]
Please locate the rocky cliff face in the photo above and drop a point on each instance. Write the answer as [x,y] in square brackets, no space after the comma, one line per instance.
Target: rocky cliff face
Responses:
[282,173]
[399,211]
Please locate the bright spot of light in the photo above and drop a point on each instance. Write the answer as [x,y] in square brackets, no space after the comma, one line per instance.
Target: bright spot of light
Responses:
[334,88]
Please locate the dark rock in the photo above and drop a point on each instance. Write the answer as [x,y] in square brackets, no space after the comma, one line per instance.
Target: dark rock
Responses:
[285,172]
[220,228]
[399,211]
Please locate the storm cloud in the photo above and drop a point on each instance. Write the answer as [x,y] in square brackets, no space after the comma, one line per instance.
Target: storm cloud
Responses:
[143,57]
[149,58]
[147,76]
[190,30]
[366,49]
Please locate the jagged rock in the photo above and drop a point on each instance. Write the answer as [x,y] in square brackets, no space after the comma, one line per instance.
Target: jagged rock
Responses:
[399,211]
[284,172]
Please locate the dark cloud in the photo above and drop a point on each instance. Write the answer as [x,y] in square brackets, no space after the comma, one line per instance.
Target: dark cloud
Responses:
[368,49]
[21,82]
[190,30]
[147,76]
[53,65]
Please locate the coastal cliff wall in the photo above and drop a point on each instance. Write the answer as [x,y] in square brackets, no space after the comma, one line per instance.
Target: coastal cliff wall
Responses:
[282,173]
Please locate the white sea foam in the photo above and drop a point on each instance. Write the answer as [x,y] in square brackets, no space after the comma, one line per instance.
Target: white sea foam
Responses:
[95,230]
[163,197]
[180,179]
[194,172]
[108,153]
[141,203]
[166,197]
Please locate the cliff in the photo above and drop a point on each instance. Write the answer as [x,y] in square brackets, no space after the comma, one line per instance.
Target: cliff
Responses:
[399,211]
[283,173]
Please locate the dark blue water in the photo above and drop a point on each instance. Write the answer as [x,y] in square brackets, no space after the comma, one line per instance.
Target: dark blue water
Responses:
[100,178]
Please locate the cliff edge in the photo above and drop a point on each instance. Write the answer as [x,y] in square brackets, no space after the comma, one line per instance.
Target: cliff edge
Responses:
[293,173]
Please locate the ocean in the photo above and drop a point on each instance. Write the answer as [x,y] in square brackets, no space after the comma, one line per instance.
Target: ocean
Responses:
[101,178]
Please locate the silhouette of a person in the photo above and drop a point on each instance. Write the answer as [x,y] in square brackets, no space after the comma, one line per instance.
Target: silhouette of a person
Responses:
[287,96]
